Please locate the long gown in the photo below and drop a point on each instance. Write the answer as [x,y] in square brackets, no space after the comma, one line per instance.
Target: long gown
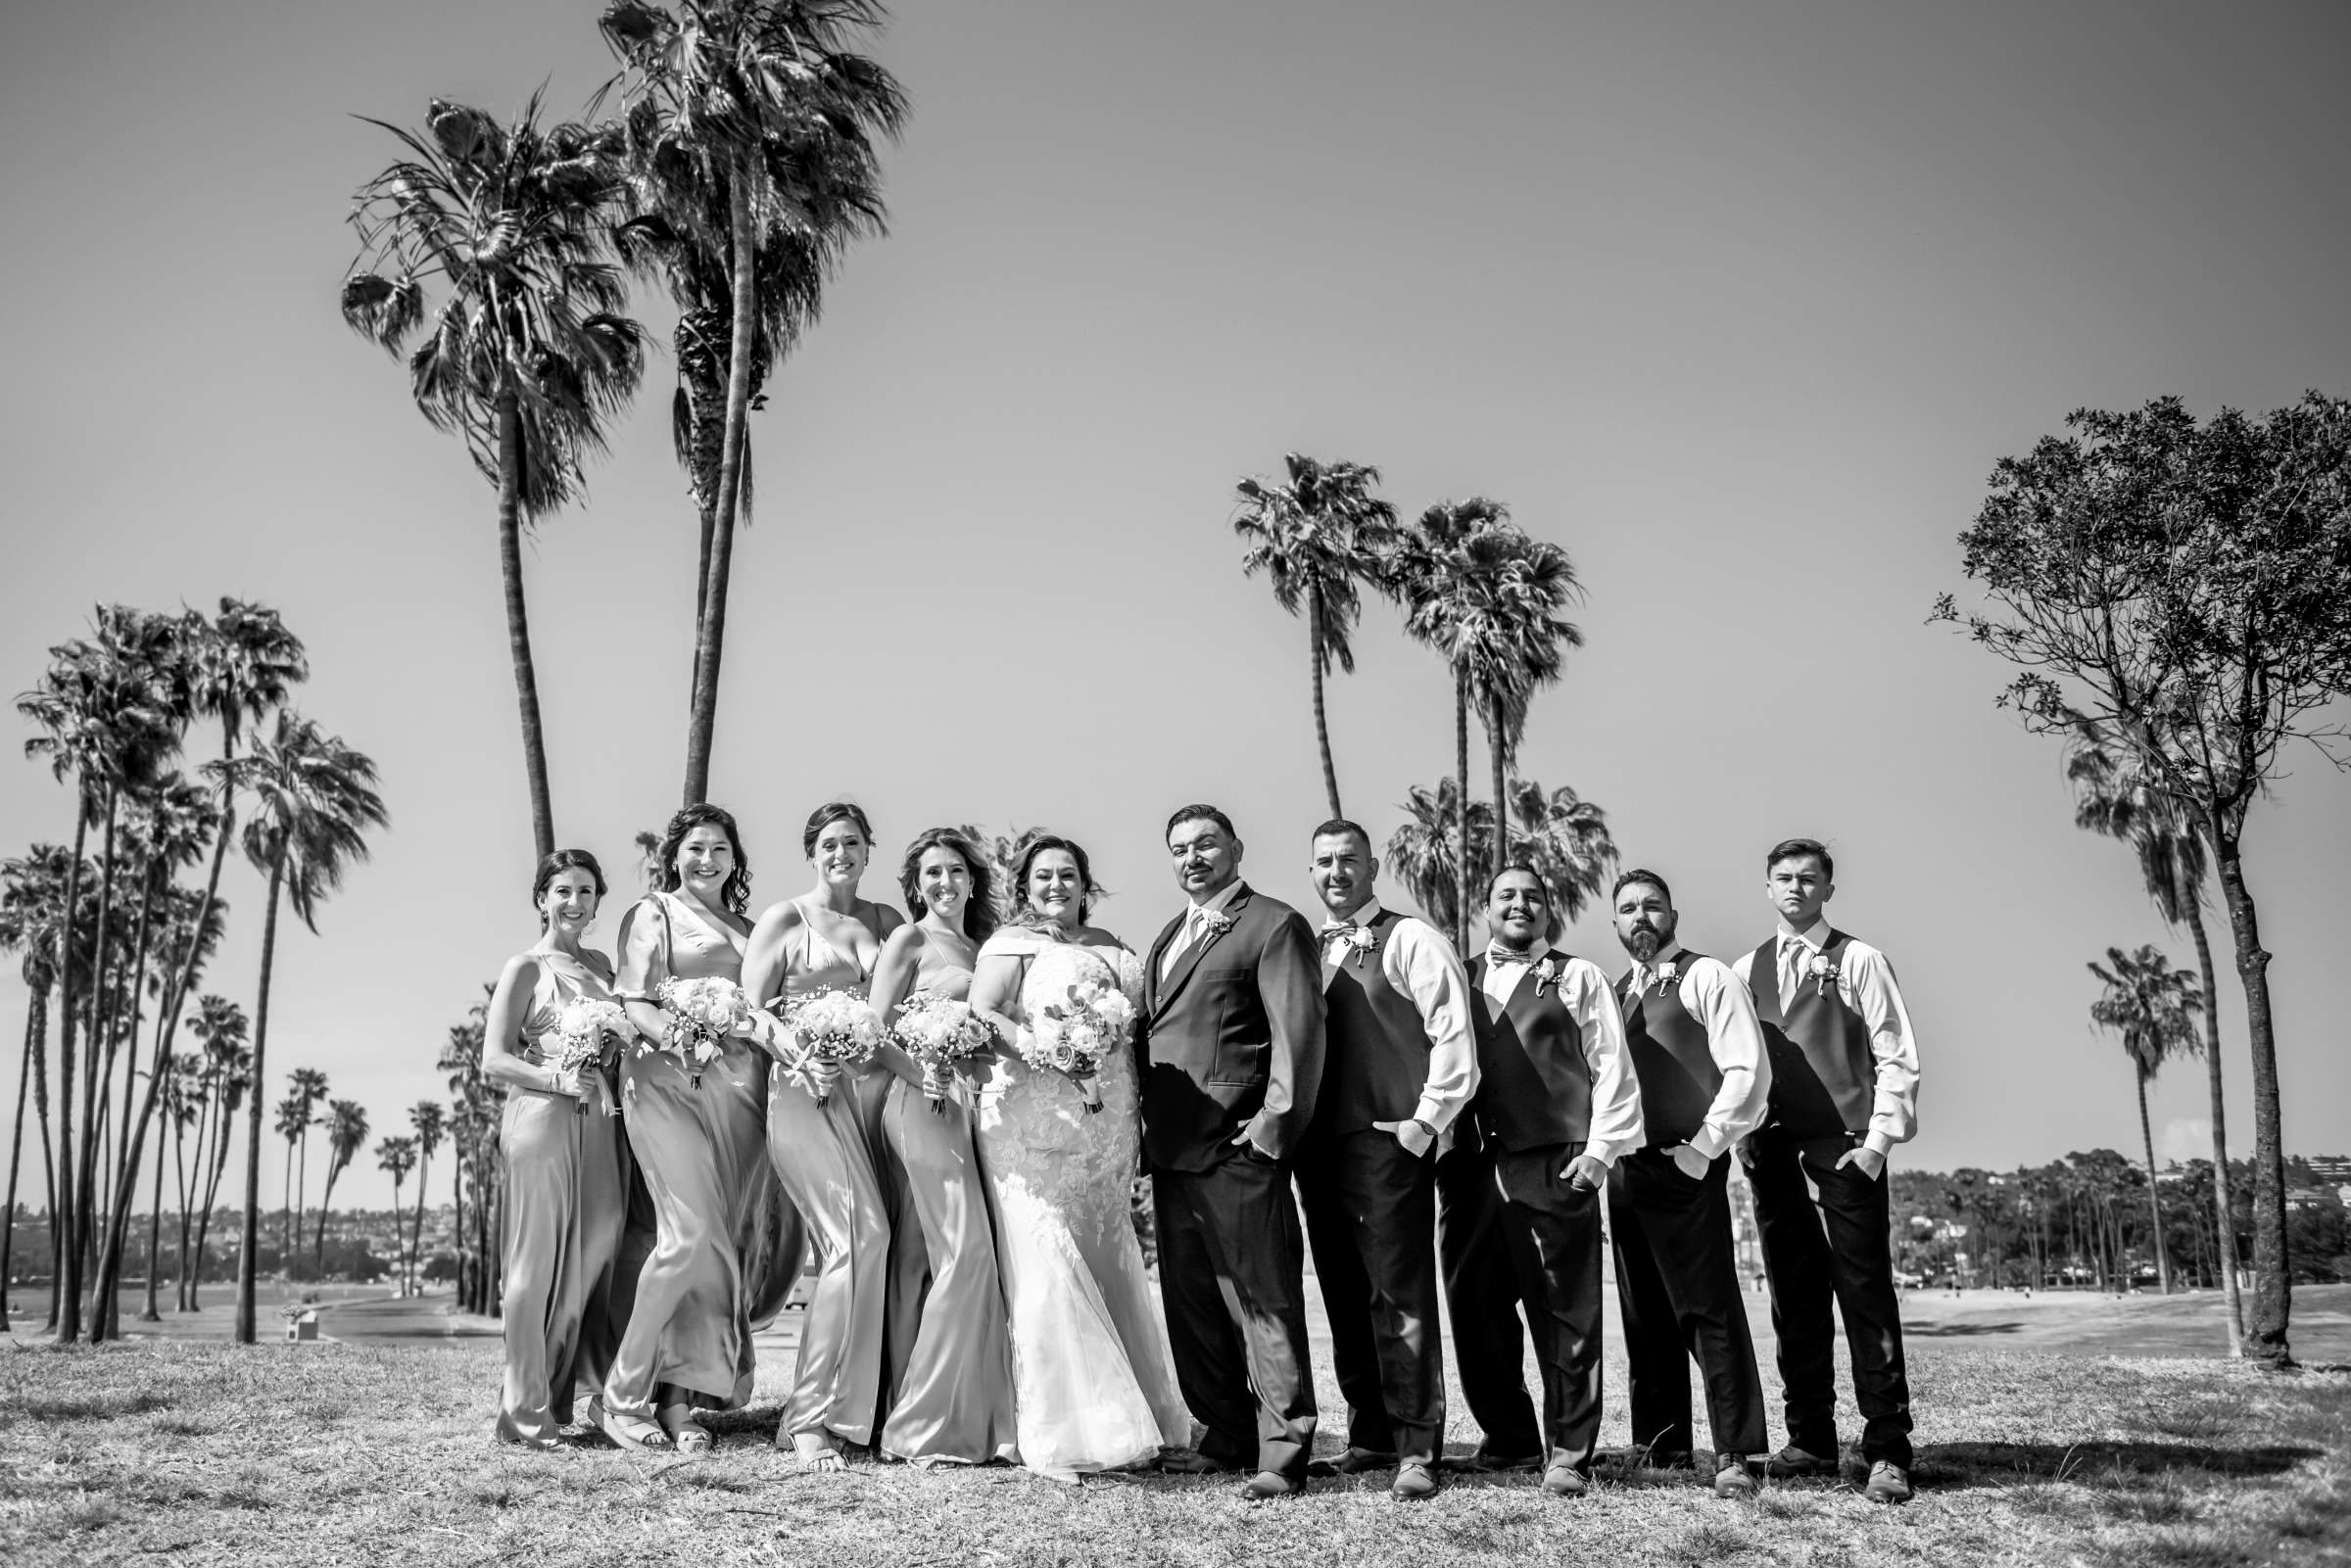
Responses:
[689,1335]
[951,1372]
[824,1156]
[1093,1380]
[567,1196]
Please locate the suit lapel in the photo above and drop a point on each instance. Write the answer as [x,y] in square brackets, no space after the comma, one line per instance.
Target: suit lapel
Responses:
[1182,974]
[1151,967]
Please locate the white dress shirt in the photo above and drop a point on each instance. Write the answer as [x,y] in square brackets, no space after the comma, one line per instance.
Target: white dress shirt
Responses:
[1195,926]
[1420,964]
[1589,1000]
[1713,994]
[1867,980]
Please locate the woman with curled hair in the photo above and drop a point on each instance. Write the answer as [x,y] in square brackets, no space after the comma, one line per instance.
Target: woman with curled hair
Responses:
[559,1141]
[700,1145]
[950,1373]
[825,1150]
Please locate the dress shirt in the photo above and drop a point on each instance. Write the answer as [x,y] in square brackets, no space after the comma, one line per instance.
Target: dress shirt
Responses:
[1711,994]
[1195,926]
[1590,1001]
[1867,982]
[1422,965]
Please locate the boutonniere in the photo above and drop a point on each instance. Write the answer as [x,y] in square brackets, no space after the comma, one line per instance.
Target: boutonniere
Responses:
[1667,972]
[1823,974]
[1363,940]
[1214,922]
[1547,972]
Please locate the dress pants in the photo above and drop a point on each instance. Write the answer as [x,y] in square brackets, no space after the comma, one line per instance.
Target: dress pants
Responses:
[1840,1246]
[1552,1229]
[1372,1219]
[1677,1284]
[1230,1275]
[1481,1295]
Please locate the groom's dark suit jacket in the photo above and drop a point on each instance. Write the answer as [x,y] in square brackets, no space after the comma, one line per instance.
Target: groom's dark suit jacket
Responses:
[1232,1038]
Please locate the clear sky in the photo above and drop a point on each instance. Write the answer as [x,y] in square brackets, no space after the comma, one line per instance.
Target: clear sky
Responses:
[1738,302]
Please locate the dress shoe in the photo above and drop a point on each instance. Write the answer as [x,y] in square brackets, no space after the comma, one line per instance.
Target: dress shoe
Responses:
[1353,1462]
[1496,1464]
[1791,1461]
[1731,1479]
[1270,1484]
[1565,1481]
[1413,1481]
[1887,1483]
[1190,1462]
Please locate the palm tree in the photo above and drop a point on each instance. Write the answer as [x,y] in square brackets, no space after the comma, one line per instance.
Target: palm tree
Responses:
[1566,839]
[473,1135]
[2114,795]
[746,121]
[183,1083]
[431,1125]
[1514,646]
[313,798]
[221,1029]
[1426,853]
[2149,1004]
[189,1103]
[396,1158]
[527,355]
[1317,538]
[32,892]
[293,1119]
[346,1136]
[308,1089]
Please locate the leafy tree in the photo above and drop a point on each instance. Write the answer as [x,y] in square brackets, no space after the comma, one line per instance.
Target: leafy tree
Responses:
[527,357]
[1563,836]
[396,1158]
[1317,539]
[2152,1007]
[430,1124]
[346,1136]
[2183,586]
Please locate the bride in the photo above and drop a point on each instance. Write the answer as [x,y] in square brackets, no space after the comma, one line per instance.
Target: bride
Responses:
[1093,1381]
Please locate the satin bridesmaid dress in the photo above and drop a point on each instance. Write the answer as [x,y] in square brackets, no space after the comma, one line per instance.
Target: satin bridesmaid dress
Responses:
[567,1196]
[825,1157]
[951,1359]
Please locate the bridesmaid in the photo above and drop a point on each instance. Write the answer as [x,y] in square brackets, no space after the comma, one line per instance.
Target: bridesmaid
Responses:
[824,1154]
[566,1191]
[951,1387]
[688,1345]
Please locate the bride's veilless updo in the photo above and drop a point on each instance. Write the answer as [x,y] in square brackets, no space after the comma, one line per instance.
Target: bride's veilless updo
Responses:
[830,812]
[564,860]
[736,891]
[979,910]
[1089,890]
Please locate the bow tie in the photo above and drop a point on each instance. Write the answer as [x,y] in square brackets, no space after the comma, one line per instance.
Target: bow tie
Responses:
[1497,957]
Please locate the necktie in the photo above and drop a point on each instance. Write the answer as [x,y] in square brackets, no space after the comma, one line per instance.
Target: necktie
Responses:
[1195,920]
[1795,951]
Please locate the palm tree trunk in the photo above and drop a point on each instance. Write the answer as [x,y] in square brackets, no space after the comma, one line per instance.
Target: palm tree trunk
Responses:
[1502,805]
[222,1132]
[424,1163]
[244,1332]
[40,1115]
[134,1147]
[325,1202]
[2222,1206]
[701,728]
[1316,645]
[518,626]
[15,1155]
[2273,1286]
[151,1312]
[2146,1139]
[302,1201]
[66,1274]
[87,1172]
[180,1173]
[457,1248]
[1461,774]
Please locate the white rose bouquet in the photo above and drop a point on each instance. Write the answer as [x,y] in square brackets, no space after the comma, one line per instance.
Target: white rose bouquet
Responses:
[1072,1036]
[703,1014]
[830,1025]
[581,1031]
[939,1031]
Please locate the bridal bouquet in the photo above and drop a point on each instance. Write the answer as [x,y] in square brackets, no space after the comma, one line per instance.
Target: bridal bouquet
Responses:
[938,1031]
[834,1027]
[1072,1037]
[582,1028]
[702,1014]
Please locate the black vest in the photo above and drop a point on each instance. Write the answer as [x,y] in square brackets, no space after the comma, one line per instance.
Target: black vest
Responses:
[1671,1056]
[1534,1085]
[1824,1076]
[1376,1058]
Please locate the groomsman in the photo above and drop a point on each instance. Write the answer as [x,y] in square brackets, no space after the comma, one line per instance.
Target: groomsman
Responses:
[1398,1067]
[1690,1031]
[1844,1092]
[1556,1104]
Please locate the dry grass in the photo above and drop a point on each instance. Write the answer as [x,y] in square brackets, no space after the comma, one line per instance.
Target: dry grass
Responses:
[351,1453]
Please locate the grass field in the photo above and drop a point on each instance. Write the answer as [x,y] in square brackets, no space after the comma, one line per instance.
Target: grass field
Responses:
[193,1452]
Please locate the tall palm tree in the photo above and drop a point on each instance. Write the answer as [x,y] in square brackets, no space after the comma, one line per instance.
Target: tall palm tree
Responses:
[1432,573]
[183,1082]
[2151,1006]
[346,1136]
[527,355]
[1513,645]
[1317,538]
[396,1158]
[2113,796]
[743,117]
[431,1124]
[189,1104]
[473,1136]
[32,892]
[293,1117]
[220,1029]
[1566,839]
[314,800]
[306,1088]
[1426,853]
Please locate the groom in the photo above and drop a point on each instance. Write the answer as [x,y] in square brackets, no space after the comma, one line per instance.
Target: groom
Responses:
[1230,1055]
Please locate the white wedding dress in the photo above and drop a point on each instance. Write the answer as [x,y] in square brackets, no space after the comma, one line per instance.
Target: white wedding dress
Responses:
[1093,1380]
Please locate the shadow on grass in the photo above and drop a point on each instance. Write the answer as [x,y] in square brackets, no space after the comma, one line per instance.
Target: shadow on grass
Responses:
[1929,1329]
[2003,1464]
[108,1407]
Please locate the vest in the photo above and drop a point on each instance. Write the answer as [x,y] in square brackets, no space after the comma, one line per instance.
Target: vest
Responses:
[1376,1058]
[1824,1076]
[1671,1057]
[1534,1086]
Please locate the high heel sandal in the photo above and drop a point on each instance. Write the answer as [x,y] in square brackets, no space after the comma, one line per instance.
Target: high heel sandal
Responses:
[628,1431]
